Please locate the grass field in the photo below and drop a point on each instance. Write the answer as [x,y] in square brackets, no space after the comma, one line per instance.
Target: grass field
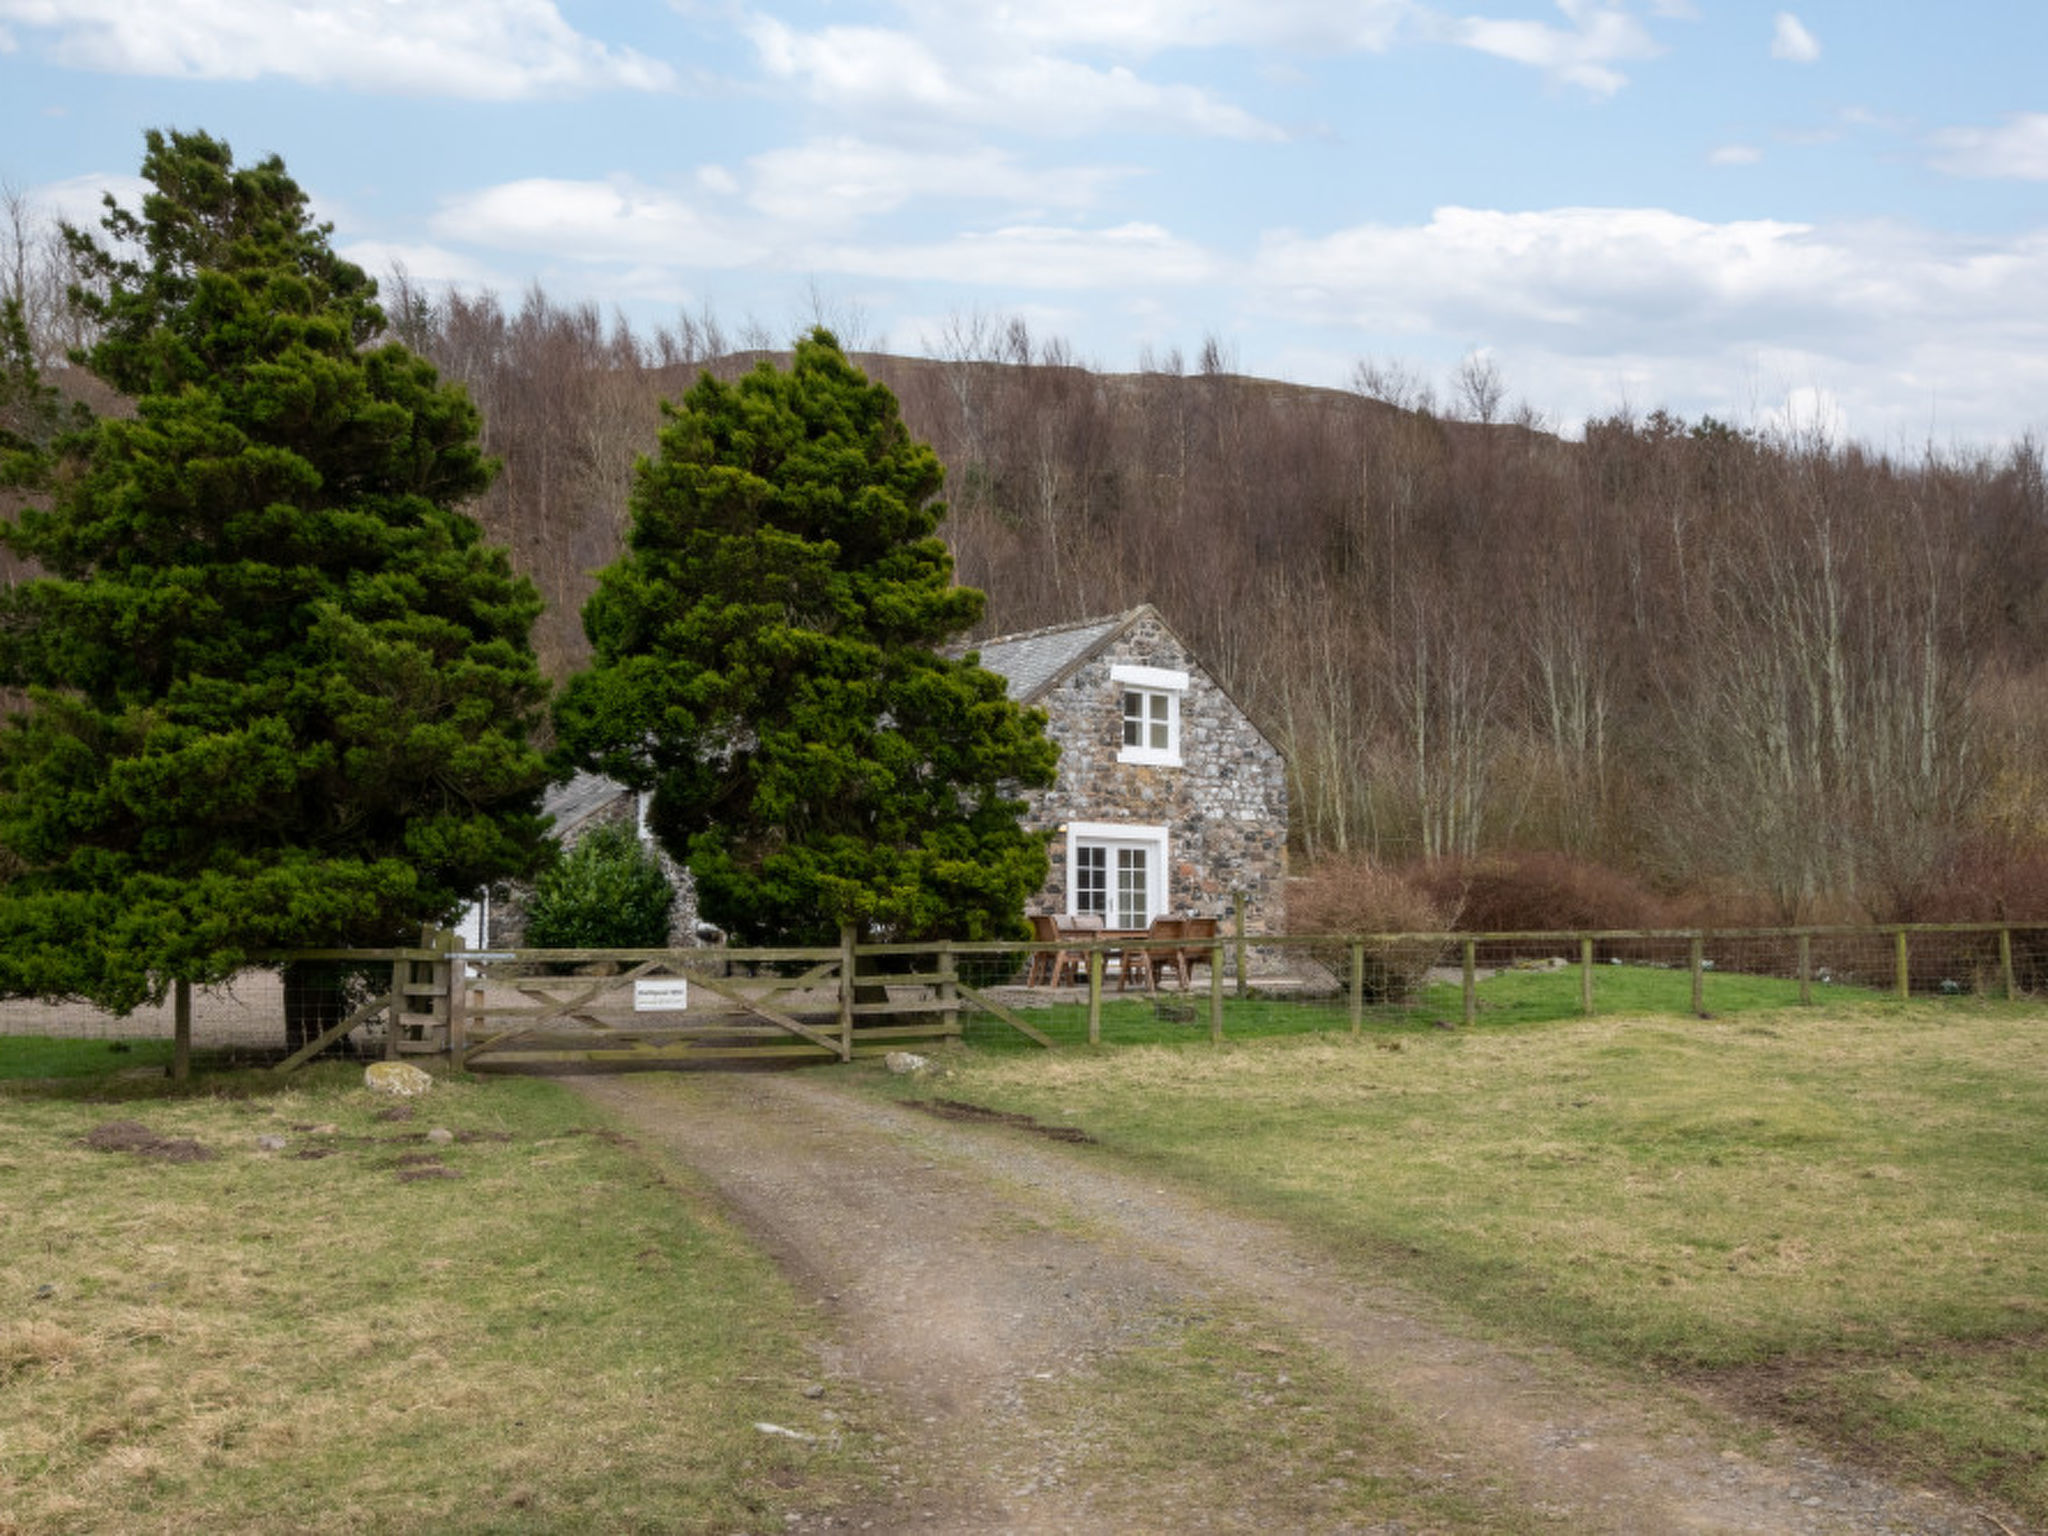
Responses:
[1509,1000]
[1836,1216]
[527,1329]
[40,1056]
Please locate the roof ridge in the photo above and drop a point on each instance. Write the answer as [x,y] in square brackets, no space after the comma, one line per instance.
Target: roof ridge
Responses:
[1053,629]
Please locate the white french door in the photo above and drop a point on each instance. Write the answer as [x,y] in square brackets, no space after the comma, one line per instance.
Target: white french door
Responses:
[1116,872]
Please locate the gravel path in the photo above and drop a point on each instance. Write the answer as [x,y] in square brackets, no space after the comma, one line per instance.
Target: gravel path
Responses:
[961,1264]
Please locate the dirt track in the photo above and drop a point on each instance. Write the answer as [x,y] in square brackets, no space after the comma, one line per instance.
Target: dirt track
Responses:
[961,1264]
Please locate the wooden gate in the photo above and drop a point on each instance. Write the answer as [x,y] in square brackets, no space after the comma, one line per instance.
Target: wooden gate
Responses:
[646,1007]
[649,1007]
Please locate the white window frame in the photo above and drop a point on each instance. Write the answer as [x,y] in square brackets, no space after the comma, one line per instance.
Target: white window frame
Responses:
[1150,683]
[1113,835]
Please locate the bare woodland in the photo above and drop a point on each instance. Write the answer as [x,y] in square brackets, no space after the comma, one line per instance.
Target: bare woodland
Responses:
[1781,678]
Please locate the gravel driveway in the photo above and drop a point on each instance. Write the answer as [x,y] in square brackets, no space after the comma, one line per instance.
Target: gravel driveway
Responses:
[962,1263]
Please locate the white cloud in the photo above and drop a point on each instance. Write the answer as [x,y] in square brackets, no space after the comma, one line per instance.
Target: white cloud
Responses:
[1735,154]
[876,69]
[599,222]
[1145,27]
[1582,302]
[1807,413]
[479,49]
[836,183]
[433,265]
[80,200]
[1791,41]
[1141,256]
[1584,53]
[2017,149]
[1575,270]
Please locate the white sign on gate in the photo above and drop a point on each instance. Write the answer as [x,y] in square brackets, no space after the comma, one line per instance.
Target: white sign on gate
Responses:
[669,994]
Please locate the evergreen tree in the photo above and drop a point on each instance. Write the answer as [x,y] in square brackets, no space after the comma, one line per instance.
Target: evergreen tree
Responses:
[33,416]
[766,662]
[279,688]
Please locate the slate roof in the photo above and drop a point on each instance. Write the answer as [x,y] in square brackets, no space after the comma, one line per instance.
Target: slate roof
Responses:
[1033,662]
[573,803]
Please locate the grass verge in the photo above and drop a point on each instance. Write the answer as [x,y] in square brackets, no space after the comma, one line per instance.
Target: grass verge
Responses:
[320,1320]
[45,1056]
[1831,1215]
[1511,999]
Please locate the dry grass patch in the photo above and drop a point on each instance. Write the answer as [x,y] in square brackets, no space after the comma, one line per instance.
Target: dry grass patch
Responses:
[1852,1197]
[561,1338]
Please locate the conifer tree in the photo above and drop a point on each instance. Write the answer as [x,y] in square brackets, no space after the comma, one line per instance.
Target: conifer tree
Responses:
[278,688]
[767,661]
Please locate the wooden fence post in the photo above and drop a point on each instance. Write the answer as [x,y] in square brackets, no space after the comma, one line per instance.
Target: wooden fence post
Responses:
[1806,968]
[949,1015]
[2005,963]
[1471,983]
[401,977]
[1216,993]
[1095,996]
[1586,977]
[181,1032]
[1244,975]
[1905,970]
[1357,984]
[1699,976]
[847,936]
[457,995]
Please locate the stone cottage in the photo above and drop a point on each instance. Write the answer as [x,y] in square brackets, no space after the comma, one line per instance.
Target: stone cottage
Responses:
[1169,801]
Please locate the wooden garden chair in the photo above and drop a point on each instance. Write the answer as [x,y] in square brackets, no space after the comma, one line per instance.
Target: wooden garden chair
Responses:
[1198,946]
[1146,962]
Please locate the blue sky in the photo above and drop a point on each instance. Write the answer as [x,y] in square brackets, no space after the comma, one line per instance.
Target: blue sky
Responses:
[1833,217]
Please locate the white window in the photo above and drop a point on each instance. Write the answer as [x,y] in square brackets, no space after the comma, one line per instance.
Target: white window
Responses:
[1150,698]
[1116,872]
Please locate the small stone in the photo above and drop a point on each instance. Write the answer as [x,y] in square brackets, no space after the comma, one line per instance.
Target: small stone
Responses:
[270,1143]
[813,1390]
[401,1079]
[905,1063]
[440,1136]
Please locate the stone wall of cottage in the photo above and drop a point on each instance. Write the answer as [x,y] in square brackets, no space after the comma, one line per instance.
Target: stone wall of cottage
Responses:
[1224,807]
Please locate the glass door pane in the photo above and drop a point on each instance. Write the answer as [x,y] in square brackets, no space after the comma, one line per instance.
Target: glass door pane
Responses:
[1091,879]
[1132,889]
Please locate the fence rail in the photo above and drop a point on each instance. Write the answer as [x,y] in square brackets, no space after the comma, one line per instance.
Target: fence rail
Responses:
[796,1003]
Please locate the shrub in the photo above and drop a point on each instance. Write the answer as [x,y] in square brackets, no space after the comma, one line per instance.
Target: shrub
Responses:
[1536,892]
[1356,896]
[607,892]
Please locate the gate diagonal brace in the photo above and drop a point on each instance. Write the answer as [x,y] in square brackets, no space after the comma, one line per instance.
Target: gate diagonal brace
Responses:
[570,1006]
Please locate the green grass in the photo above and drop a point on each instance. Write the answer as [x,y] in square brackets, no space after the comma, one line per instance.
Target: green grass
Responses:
[1834,1215]
[42,1056]
[1509,1000]
[556,1337]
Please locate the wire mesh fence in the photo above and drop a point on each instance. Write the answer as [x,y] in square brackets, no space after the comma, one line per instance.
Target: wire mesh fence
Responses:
[1230,987]
[1280,984]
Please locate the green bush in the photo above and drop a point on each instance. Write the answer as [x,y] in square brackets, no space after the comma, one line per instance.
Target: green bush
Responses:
[607,892]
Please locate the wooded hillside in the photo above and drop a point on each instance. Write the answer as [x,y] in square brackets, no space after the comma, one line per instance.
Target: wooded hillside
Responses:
[1784,678]
[1804,676]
